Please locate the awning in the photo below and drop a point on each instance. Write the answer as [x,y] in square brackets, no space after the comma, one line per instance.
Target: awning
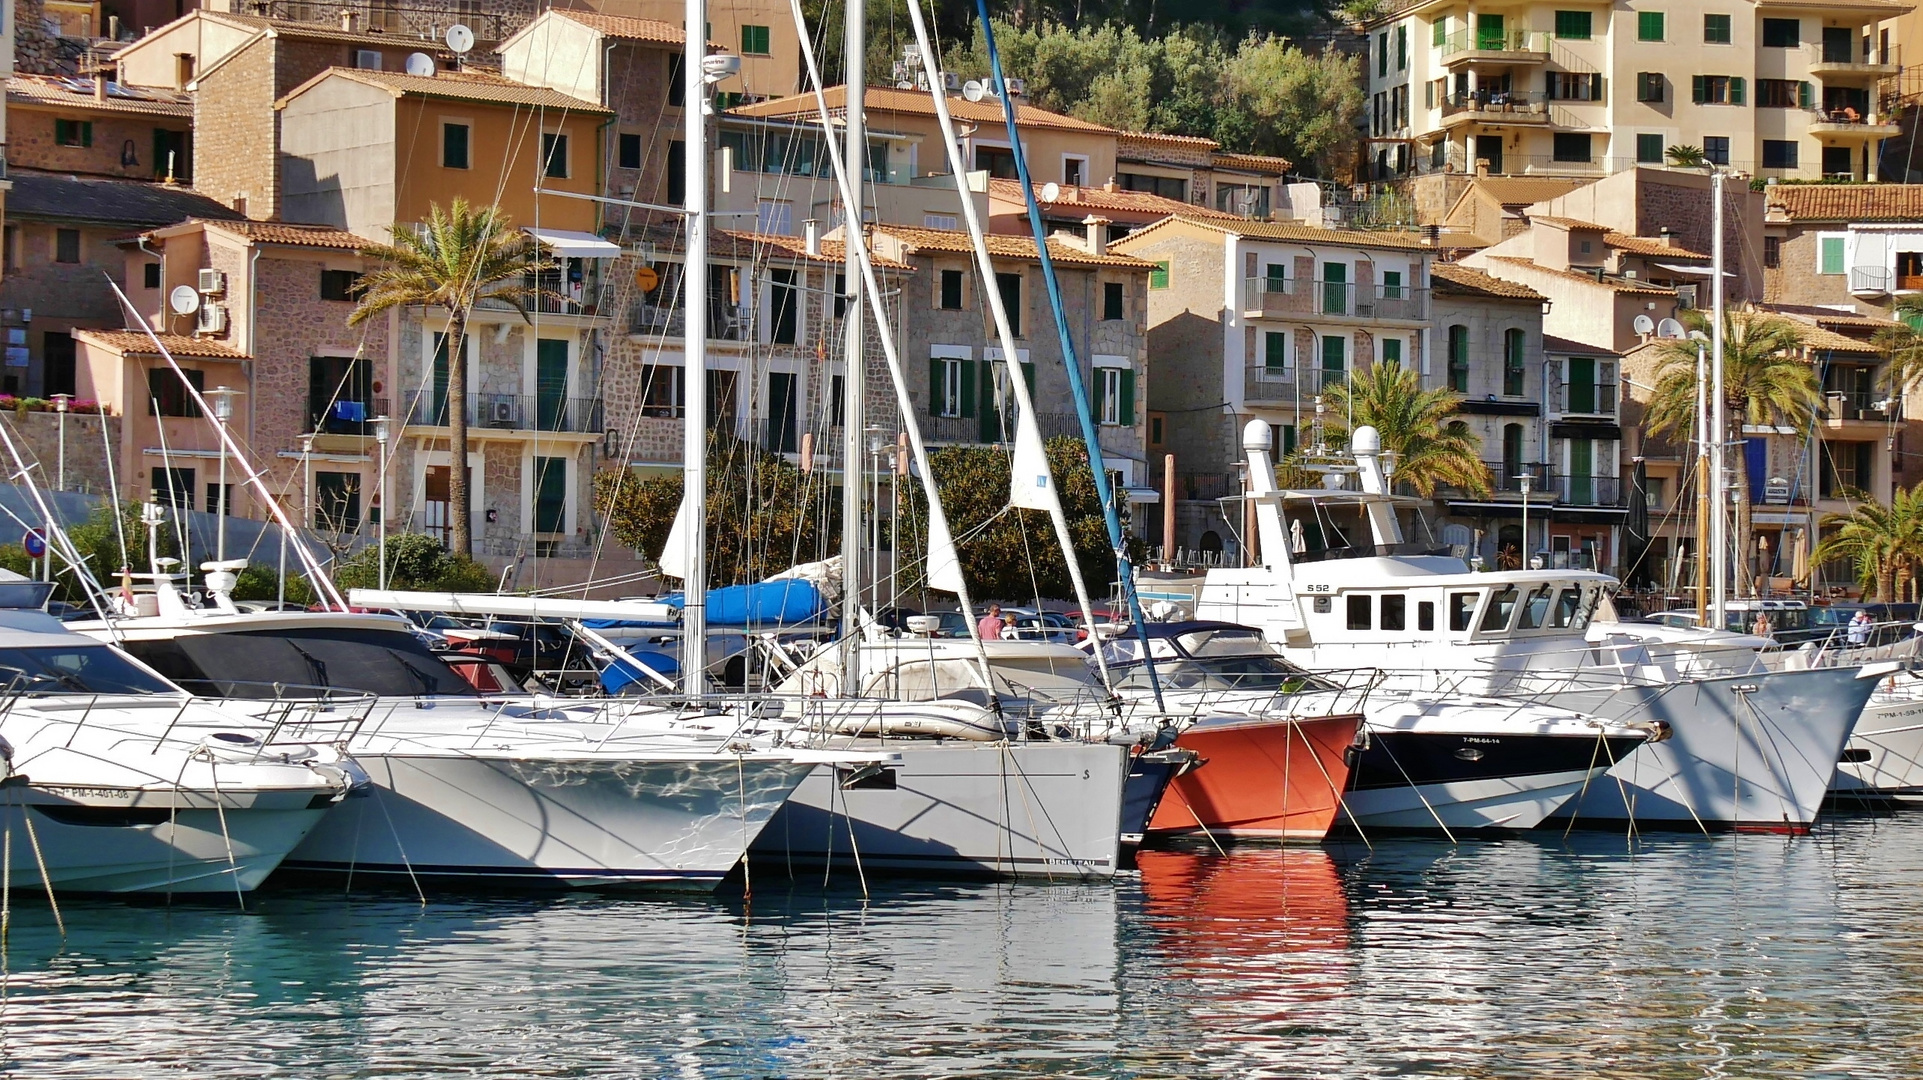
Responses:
[1142,494]
[575,245]
[1693,271]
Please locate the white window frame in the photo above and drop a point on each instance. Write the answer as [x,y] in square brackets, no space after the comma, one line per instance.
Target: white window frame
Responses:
[1841,238]
[775,217]
[953,357]
[1111,394]
[1084,160]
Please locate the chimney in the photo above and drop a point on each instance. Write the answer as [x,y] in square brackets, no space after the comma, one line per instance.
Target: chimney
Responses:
[1667,236]
[99,83]
[811,229]
[1482,167]
[1109,186]
[348,18]
[1097,234]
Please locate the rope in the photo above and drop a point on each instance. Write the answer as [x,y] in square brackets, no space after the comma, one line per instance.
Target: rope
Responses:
[220,808]
[40,860]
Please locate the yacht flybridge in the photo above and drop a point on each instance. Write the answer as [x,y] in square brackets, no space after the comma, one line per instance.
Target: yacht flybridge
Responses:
[1749,748]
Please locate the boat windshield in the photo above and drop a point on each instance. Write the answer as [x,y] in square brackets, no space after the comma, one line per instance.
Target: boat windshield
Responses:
[75,669]
[275,663]
[1245,671]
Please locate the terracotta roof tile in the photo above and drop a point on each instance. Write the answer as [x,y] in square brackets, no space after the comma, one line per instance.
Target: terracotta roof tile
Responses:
[1092,199]
[77,93]
[280,232]
[887,99]
[1263,163]
[1284,230]
[1562,346]
[1848,202]
[617,26]
[832,251]
[1568,223]
[457,86]
[1645,245]
[1456,279]
[1613,284]
[293,28]
[1196,141]
[136,342]
[1006,247]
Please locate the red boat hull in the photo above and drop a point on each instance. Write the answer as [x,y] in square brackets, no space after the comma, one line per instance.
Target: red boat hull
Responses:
[1273,779]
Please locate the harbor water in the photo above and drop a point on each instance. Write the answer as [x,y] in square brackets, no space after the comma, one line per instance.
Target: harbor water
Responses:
[1677,956]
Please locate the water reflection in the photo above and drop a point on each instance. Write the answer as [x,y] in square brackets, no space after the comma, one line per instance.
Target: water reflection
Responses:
[1684,956]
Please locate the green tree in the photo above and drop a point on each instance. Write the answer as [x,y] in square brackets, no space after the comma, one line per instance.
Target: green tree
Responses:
[1766,381]
[98,542]
[1302,106]
[1903,345]
[1431,449]
[1883,543]
[414,561]
[259,582]
[461,256]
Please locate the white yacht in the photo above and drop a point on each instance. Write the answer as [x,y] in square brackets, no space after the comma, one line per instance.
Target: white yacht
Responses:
[115,781]
[1749,747]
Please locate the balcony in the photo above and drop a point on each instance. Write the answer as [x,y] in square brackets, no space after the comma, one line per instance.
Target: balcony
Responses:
[1870,280]
[1505,479]
[1583,399]
[1285,297]
[726,322]
[1841,407]
[332,417]
[1475,46]
[1548,488]
[1485,107]
[510,412]
[1847,62]
[1847,121]
[1264,385]
[1586,490]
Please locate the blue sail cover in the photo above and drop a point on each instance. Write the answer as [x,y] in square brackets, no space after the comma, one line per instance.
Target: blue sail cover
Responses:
[763,605]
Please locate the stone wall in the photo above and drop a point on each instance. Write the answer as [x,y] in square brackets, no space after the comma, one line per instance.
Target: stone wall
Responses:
[31,144]
[237,128]
[37,434]
[36,51]
[62,296]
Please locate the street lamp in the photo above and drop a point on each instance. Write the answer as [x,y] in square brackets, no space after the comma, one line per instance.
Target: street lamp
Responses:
[60,403]
[222,399]
[1528,482]
[381,433]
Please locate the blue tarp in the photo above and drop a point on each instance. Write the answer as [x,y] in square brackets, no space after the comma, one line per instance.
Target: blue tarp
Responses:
[762,605]
[620,674]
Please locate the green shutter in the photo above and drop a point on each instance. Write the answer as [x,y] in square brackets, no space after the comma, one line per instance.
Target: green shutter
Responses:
[1288,439]
[1649,26]
[1127,411]
[1804,97]
[1736,91]
[1573,25]
[991,411]
[1100,385]
[437,405]
[1028,376]
[1402,47]
[1158,277]
[1332,353]
[1382,53]
[1275,351]
[1649,149]
[1830,251]
[968,377]
[1392,351]
[935,384]
[86,133]
[1439,30]
[1698,89]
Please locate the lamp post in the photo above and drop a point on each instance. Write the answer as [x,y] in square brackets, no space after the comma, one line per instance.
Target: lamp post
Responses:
[60,403]
[222,399]
[381,432]
[1528,482]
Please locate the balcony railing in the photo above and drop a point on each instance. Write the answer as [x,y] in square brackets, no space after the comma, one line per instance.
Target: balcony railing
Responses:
[1508,105]
[1287,296]
[1547,487]
[1869,279]
[342,417]
[726,322]
[1586,490]
[1506,478]
[1849,57]
[1478,40]
[1269,385]
[511,412]
[1859,405]
[1583,399]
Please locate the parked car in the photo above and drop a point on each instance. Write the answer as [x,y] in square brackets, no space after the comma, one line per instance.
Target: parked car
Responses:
[1027,624]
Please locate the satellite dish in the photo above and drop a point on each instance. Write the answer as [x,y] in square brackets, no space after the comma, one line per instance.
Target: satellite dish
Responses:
[1670,328]
[973,90]
[1643,324]
[420,64]
[1051,191]
[460,38]
[184,300]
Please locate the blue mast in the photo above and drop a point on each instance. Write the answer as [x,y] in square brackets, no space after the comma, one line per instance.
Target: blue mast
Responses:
[1123,570]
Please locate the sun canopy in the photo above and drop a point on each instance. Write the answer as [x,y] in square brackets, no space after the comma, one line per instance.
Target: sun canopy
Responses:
[575,245]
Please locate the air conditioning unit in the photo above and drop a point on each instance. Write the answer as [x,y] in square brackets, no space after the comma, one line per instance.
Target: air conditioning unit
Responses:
[503,414]
[367,59]
[213,282]
[212,319]
[951,82]
[1016,87]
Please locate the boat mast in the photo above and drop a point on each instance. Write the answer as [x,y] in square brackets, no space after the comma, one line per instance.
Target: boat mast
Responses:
[854,382]
[694,382]
[1719,423]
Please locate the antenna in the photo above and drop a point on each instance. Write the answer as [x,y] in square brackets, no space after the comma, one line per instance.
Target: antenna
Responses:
[1051,191]
[1643,324]
[185,300]
[420,64]
[973,90]
[460,39]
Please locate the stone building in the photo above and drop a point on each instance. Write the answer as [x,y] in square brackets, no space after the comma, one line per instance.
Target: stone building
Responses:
[95,127]
[1857,247]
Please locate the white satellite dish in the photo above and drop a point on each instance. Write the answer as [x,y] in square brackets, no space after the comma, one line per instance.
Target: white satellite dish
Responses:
[460,38]
[973,90]
[1051,191]
[420,64]
[1643,324]
[1670,328]
[184,300]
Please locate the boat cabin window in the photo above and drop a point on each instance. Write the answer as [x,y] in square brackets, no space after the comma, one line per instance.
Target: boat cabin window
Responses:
[1426,615]
[75,669]
[1222,641]
[1359,611]
[281,663]
[1501,607]
[1536,608]
[1394,611]
[1462,608]
[1252,671]
[1568,606]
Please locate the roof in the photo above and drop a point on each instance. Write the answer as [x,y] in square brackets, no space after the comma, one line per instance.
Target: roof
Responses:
[1101,198]
[1287,231]
[134,341]
[1613,284]
[1831,317]
[887,99]
[618,26]
[1006,247]
[78,93]
[831,251]
[310,31]
[282,232]
[1855,203]
[106,201]
[1817,336]
[455,86]
[1459,280]
[1262,163]
[1562,346]
[1644,245]
[1522,191]
[1568,223]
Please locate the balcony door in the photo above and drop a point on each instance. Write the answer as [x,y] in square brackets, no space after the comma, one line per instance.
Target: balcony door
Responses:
[1489,35]
[782,386]
[1582,481]
[551,369]
[1489,147]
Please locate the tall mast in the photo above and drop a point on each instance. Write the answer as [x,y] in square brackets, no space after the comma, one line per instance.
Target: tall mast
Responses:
[854,382]
[694,382]
[1719,423]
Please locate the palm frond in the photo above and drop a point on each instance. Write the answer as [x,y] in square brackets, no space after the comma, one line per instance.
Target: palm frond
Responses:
[1431,449]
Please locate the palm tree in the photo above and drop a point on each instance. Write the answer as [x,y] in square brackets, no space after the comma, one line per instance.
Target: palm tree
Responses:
[1685,157]
[1766,381]
[1903,343]
[457,259]
[1884,542]
[1430,449]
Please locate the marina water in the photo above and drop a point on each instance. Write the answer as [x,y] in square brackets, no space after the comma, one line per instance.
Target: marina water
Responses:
[1677,956]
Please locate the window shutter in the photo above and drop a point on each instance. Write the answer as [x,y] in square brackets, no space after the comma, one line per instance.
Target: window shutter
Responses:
[935,385]
[1429,95]
[1804,98]
[1736,91]
[1128,398]
[1596,87]
[1158,277]
[1698,90]
[1276,351]
[86,133]
[1439,31]
[1549,86]
[1100,386]
[1028,376]
[968,377]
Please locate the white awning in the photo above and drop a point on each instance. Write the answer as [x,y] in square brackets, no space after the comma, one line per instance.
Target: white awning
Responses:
[575,245]
[1693,271]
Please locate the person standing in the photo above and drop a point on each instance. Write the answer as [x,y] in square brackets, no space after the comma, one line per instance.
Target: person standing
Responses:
[1761,629]
[991,624]
[1859,631]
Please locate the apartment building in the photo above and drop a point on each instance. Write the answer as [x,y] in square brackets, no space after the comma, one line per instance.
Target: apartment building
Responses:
[1197,171]
[1849,246]
[761,32]
[97,127]
[1783,88]
[1253,320]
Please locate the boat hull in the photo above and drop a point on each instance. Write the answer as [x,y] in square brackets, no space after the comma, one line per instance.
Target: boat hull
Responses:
[1884,757]
[668,824]
[1459,783]
[1752,752]
[1037,809]
[1271,779]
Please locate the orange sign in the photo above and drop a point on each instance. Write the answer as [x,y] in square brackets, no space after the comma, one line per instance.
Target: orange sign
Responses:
[646,279]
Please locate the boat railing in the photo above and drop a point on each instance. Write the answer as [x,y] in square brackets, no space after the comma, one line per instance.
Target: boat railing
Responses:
[292,711]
